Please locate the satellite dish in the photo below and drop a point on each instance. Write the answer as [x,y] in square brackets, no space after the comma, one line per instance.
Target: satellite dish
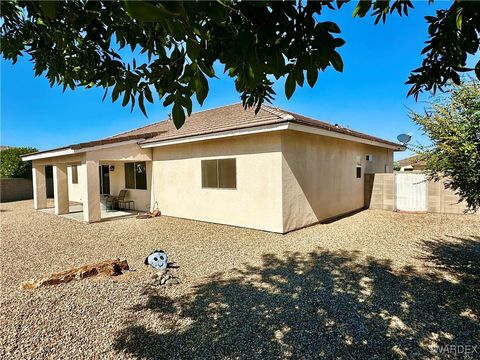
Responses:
[404,138]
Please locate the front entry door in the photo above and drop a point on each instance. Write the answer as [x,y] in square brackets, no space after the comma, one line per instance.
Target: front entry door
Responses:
[104,173]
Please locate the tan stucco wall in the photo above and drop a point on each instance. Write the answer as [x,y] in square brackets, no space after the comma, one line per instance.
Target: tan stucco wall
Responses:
[319,176]
[255,203]
[76,191]
[128,152]
[70,159]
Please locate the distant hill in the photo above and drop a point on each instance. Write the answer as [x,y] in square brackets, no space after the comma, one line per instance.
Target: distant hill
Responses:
[3,147]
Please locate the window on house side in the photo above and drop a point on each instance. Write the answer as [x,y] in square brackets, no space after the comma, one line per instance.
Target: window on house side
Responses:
[227,177]
[359,172]
[209,174]
[219,174]
[136,175]
[74,174]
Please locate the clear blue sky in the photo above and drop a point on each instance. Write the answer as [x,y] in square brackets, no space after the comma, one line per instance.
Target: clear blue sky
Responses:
[369,96]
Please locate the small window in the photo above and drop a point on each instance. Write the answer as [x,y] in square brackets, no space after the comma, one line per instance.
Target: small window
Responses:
[136,175]
[359,172]
[369,157]
[359,167]
[74,174]
[221,173]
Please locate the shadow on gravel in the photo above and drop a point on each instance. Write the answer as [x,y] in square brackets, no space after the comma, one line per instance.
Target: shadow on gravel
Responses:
[459,256]
[317,305]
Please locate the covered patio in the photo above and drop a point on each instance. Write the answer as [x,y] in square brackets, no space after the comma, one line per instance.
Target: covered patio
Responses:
[83,179]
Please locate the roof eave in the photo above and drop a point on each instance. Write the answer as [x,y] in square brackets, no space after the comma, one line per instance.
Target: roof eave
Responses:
[283,125]
[71,150]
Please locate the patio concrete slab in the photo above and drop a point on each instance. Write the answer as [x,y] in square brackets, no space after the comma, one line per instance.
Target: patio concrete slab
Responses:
[76,213]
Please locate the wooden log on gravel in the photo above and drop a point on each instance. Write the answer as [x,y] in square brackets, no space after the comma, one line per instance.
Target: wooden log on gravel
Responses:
[112,267]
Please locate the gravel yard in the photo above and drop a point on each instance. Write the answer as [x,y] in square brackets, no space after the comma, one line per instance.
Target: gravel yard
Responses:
[373,285]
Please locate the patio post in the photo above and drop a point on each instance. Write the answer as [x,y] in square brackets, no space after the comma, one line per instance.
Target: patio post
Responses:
[60,189]
[39,187]
[91,195]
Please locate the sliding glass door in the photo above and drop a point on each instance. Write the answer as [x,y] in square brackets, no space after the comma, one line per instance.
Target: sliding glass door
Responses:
[104,174]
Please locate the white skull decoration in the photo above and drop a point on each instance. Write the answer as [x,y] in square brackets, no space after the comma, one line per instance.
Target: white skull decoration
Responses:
[157,259]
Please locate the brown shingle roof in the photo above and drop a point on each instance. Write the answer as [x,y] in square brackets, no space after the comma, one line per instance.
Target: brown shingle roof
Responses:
[234,117]
[229,117]
[413,160]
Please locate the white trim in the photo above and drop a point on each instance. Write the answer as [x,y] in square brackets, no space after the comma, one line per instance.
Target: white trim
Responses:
[269,128]
[70,151]
[48,154]
[218,135]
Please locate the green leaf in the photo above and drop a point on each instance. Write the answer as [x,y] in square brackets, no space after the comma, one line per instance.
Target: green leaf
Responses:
[336,61]
[178,115]
[338,42]
[362,8]
[209,70]
[455,77]
[193,49]
[279,64]
[148,94]
[290,86]
[312,75]
[200,84]
[147,12]
[299,77]
[126,98]
[169,100]
[188,105]
[331,27]
[104,95]
[459,21]
[141,105]
[218,12]
[49,8]
[115,93]
[477,70]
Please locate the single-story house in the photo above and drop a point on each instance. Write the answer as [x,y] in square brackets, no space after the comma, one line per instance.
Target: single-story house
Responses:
[274,170]
[413,163]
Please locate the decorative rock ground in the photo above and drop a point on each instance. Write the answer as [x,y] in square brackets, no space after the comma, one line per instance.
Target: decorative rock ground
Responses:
[165,278]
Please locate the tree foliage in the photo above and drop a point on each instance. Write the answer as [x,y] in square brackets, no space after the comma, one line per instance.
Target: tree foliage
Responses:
[453,125]
[82,44]
[11,164]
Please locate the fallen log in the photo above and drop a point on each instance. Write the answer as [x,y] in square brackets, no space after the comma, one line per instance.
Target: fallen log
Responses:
[112,267]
